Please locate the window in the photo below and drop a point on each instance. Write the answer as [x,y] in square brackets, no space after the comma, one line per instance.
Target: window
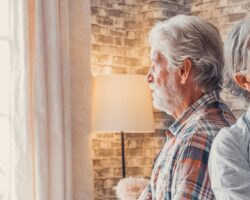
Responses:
[5,64]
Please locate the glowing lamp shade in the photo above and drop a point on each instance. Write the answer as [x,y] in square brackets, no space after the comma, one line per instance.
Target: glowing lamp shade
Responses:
[122,103]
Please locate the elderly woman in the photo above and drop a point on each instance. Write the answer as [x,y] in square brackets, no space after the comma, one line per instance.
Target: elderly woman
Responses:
[229,162]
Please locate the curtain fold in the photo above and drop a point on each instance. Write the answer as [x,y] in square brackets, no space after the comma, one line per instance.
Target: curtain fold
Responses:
[81,95]
[41,138]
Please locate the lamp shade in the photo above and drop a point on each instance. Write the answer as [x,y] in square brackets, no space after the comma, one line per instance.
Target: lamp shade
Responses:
[122,102]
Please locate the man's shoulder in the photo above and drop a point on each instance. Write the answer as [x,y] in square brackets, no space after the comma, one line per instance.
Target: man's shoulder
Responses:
[213,118]
[195,145]
[218,112]
[208,121]
[205,127]
[198,139]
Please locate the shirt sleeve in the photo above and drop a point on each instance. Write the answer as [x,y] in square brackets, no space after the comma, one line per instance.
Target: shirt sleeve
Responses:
[146,193]
[190,178]
[228,166]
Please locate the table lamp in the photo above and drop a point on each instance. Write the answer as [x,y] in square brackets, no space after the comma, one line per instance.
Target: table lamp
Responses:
[122,103]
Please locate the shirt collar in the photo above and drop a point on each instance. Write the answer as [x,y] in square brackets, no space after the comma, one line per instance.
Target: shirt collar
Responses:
[193,111]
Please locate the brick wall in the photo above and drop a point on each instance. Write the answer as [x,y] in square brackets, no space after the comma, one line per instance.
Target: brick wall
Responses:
[116,36]
[119,45]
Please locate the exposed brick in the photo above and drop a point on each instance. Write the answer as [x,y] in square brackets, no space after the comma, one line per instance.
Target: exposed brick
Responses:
[145,1]
[131,2]
[117,172]
[118,70]
[118,60]
[118,23]
[158,4]
[135,171]
[155,142]
[135,135]
[115,13]
[131,43]
[96,28]
[142,70]
[131,61]
[134,161]
[107,135]
[100,2]
[132,35]
[134,143]
[103,12]
[105,192]
[96,144]
[132,53]
[101,162]
[134,152]
[147,171]
[119,45]
[119,41]
[94,10]
[130,25]
[151,151]
[118,152]
[103,59]
[104,172]
[108,183]
[235,1]
[119,33]
[98,183]
[104,20]
[105,152]
[105,39]
[236,16]
[245,6]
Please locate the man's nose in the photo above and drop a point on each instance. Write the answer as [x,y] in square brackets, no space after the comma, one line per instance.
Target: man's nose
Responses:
[149,76]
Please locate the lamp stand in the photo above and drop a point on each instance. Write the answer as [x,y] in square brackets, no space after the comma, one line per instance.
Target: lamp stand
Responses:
[123,156]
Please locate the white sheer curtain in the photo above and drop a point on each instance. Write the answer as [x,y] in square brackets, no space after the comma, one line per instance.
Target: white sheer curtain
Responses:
[41,93]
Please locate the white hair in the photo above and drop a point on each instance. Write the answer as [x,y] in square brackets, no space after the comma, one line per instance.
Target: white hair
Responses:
[237,58]
[191,37]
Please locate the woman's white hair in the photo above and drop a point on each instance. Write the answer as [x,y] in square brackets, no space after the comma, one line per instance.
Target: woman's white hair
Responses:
[190,37]
[237,58]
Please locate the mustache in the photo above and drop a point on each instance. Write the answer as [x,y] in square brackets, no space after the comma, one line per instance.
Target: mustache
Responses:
[152,87]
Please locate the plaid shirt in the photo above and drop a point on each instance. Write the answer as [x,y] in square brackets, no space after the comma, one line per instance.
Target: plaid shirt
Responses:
[180,170]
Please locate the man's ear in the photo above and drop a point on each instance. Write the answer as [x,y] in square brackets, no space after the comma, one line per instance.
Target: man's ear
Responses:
[185,71]
[242,80]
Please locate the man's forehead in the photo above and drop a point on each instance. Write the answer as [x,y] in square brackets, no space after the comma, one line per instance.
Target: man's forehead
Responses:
[156,56]
[153,55]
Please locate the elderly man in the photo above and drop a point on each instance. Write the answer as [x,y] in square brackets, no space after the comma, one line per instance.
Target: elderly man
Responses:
[185,78]
[229,163]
